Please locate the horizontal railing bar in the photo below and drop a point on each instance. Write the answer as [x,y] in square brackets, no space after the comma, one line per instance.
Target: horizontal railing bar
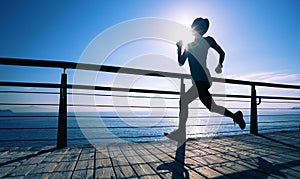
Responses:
[27,104]
[126,96]
[28,84]
[114,69]
[48,85]
[79,116]
[287,121]
[29,128]
[131,106]
[262,97]
[272,128]
[122,89]
[135,106]
[112,127]
[263,84]
[274,108]
[228,100]
[231,96]
[141,117]
[87,94]
[117,117]
[91,67]
[27,116]
[26,140]
[279,115]
[36,63]
[119,106]
[113,117]
[30,92]
[281,102]
[87,87]
[281,98]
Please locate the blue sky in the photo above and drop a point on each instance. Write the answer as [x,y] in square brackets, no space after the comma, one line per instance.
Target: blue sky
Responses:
[257,36]
[261,38]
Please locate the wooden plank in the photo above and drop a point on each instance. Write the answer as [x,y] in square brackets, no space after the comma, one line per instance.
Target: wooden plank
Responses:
[32,163]
[135,162]
[21,171]
[43,170]
[167,162]
[85,164]
[4,171]
[15,156]
[65,168]
[208,172]
[140,165]
[178,164]
[103,165]
[48,164]
[152,160]
[7,162]
[121,166]
[204,166]
[28,161]
[104,169]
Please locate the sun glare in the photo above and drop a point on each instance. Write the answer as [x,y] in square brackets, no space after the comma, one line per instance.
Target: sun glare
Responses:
[183,14]
[185,20]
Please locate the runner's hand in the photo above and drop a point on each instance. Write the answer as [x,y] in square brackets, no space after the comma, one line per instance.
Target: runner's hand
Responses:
[179,44]
[219,69]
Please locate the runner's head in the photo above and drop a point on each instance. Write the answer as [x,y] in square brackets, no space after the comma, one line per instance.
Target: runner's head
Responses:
[200,26]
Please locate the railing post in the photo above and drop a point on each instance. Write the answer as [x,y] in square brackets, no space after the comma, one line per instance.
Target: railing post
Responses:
[182,106]
[182,92]
[62,116]
[182,87]
[253,120]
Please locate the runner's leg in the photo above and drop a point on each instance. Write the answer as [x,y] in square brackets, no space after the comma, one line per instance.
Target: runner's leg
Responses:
[185,100]
[209,102]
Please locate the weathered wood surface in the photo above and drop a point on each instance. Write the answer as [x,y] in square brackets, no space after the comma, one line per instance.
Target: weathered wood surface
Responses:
[271,155]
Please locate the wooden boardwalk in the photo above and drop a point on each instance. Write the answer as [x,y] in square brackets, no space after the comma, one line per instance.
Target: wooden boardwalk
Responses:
[271,155]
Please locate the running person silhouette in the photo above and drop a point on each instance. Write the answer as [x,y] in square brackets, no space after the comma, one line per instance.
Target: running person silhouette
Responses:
[196,53]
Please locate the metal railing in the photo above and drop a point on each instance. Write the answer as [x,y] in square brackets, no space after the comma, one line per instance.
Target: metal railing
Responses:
[61,140]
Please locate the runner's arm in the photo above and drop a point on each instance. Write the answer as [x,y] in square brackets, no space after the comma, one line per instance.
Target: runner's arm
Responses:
[213,44]
[181,57]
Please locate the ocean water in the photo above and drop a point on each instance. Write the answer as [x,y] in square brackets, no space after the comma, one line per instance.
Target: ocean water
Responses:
[40,129]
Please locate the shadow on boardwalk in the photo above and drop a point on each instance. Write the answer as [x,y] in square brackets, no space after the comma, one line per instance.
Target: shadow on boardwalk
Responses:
[272,155]
[177,167]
